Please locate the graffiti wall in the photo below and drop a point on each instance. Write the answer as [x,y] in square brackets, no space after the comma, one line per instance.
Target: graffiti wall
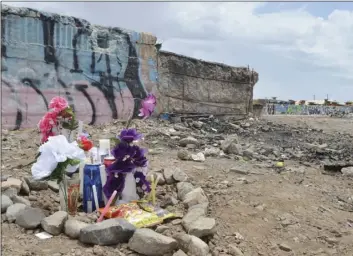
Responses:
[287,109]
[102,72]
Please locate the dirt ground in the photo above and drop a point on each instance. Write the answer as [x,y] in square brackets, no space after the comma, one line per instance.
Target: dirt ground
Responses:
[299,212]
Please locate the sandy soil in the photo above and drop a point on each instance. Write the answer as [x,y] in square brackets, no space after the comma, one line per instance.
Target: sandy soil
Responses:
[301,212]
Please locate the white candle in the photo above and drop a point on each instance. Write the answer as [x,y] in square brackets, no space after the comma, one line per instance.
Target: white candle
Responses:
[81,175]
[80,127]
[103,175]
[95,196]
[104,144]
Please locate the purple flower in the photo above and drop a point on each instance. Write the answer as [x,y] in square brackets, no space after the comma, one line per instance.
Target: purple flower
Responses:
[129,153]
[147,106]
[142,182]
[129,135]
[114,183]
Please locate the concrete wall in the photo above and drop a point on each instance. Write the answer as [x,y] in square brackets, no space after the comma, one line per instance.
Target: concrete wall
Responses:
[100,70]
[189,85]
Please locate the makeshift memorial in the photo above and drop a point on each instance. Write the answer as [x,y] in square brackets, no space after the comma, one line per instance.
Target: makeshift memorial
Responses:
[57,156]
[127,174]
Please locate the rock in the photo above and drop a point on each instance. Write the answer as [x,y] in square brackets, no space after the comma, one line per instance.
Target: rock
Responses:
[192,245]
[13,210]
[53,185]
[197,124]
[184,188]
[180,253]
[234,250]
[188,140]
[107,232]
[30,218]
[192,215]
[73,227]
[10,192]
[201,227]
[183,154]
[347,171]
[161,228]
[5,177]
[168,175]
[151,243]
[20,200]
[248,153]
[199,157]
[284,247]
[161,180]
[11,183]
[239,170]
[24,188]
[196,196]
[231,145]
[5,203]
[169,200]
[212,152]
[36,184]
[179,175]
[54,224]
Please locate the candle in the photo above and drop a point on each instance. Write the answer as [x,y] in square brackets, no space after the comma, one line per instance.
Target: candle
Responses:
[103,174]
[106,208]
[104,145]
[81,175]
[95,196]
[80,127]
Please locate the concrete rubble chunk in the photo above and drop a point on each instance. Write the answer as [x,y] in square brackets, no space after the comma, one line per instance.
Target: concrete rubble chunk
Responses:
[36,184]
[5,203]
[73,227]
[180,253]
[347,171]
[192,245]
[184,188]
[13,211]
[30,218]
[179,175]
[196,196]
[199,157]
[191,216]
[54,224]
[202,227]
[151,243]
[107,232]
[188,140]
[11,183]
[230,144]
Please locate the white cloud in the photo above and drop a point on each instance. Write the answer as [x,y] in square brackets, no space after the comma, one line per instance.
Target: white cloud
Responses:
[296,53]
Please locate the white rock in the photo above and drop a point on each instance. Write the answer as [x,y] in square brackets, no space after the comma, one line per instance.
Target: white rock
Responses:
[199,157]
[151,243]
[201,227]
[54,224]
[347,171]
[11,183]
[184,188]
[180,253]
[13,210]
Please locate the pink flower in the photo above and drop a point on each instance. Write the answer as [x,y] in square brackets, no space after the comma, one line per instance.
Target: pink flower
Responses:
[58,104]
[147,106]
[46,125]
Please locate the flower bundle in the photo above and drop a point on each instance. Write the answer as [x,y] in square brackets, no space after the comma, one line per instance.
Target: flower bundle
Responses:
[84,143]
[130,158]
[60,114]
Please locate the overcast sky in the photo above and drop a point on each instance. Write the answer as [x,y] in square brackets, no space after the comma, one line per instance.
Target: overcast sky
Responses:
[298,49]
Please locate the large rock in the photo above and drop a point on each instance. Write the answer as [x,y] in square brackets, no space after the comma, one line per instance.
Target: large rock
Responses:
[108,232]
[24,188]
[30,218]
[53,185]
[192,245]
[10,192]
[201,227]
[184,188]
[11,183]
[73,227]
[36,184]
[5,203]
[151,243]
[196,196]
[347,171]
[13,211]
[179,175]
[54,224]
[194,213]
[180,253]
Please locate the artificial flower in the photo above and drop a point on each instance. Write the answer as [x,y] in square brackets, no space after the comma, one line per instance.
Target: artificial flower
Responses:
[58,104]
[46,125]
[129,135]
[147,106]
[130,153]
[114,183]
[84,143]
[142,182]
